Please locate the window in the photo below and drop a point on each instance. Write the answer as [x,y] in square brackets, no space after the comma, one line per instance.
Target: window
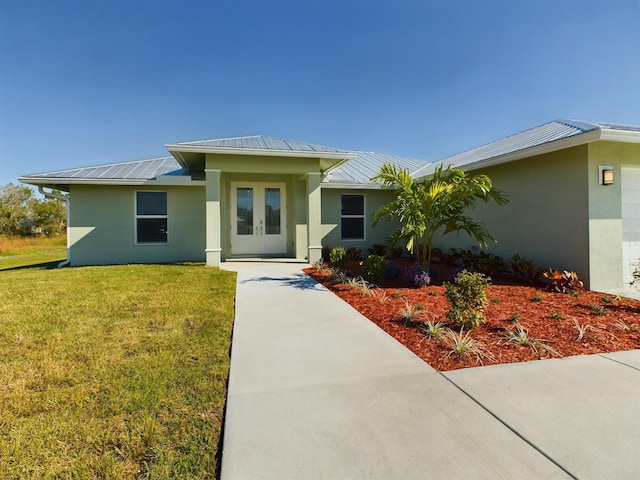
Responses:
[151,217]
[352,219]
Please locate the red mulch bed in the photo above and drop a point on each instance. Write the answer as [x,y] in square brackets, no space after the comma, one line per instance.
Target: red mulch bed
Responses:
[605,332]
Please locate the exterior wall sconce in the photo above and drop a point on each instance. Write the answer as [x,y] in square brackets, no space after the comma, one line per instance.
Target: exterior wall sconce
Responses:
[605,175]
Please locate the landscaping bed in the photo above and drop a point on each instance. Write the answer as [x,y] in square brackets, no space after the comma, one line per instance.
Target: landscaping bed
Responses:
[523,322]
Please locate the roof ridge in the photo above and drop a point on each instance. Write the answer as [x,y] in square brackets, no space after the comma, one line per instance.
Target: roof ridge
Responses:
[222,138]
[585,126]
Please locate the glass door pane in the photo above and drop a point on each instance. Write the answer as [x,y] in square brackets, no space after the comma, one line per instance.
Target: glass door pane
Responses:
[244,211]
[272,211]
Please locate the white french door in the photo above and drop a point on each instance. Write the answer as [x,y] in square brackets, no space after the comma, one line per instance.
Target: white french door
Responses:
[258,216]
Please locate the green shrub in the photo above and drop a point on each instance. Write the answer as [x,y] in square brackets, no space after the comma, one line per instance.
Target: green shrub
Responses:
[326,252]
[374,267]
[467,297]
[338,257]
[378,249]
[489,264]
[524,270]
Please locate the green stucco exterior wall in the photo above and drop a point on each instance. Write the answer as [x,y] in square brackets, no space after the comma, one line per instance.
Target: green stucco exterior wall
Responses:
[546,219]
[331,218]
[559,214]
[102,226]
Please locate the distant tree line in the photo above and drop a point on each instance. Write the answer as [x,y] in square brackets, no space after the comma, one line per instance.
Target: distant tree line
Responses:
[23,214]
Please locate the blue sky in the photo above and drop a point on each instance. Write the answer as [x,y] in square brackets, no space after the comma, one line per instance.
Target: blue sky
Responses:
[91,82]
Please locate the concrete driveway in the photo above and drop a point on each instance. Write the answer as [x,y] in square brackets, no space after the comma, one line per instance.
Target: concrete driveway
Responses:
[316,391]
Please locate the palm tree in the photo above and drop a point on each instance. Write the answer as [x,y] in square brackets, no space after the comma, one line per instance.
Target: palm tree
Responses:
[434,206]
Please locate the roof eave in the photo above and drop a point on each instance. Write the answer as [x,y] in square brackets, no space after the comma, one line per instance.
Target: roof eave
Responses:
[619,135]
[350,186]
[64,183]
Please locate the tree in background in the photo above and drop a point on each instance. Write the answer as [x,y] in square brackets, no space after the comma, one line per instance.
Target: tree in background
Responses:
[21,213]
[434,206]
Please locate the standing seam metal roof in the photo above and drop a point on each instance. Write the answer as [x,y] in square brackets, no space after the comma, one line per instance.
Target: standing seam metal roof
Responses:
[136,170]
[262,142]
[365,165]
[546,133]
[543,134]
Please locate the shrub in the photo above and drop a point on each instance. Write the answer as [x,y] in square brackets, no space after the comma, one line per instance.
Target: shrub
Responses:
[489,264]
[467,298]
[354,253]
[562,282]
[422,279]
[338,257]
[415,276]
[524,270]
[392,271]
[374,267]
[458,256]
[326,251]
[378,249]
[396,251]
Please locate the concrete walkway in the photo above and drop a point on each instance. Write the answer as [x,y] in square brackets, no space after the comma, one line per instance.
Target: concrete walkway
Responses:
[316,391]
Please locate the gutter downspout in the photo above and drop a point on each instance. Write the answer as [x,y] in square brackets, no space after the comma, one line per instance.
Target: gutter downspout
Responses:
[65,199]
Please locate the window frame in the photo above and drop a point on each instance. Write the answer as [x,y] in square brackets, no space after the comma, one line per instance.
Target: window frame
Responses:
[363,216]
[138,217]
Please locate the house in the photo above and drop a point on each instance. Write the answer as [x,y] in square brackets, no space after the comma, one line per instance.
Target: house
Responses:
[217,199]
[574,191]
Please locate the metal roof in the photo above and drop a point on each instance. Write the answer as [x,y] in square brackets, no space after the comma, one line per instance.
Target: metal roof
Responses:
[365,165]
[535,137]
[358,168]
[136,170]
[261,142]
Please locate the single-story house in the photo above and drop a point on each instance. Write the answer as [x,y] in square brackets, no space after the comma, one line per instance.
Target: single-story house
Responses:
[574,191]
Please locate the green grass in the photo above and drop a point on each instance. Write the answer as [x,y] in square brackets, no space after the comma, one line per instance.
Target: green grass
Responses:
[113,372]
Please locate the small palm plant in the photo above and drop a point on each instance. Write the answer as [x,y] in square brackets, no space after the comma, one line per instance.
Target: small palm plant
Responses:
[434,206]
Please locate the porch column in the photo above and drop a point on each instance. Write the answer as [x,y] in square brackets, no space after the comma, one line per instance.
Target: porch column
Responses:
[314,217]
[213,248]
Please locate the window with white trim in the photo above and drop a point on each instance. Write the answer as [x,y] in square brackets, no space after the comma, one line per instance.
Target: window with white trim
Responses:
[151,217]
[352,217]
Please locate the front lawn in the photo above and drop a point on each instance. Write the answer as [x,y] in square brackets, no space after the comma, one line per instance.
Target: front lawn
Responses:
[113,372]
